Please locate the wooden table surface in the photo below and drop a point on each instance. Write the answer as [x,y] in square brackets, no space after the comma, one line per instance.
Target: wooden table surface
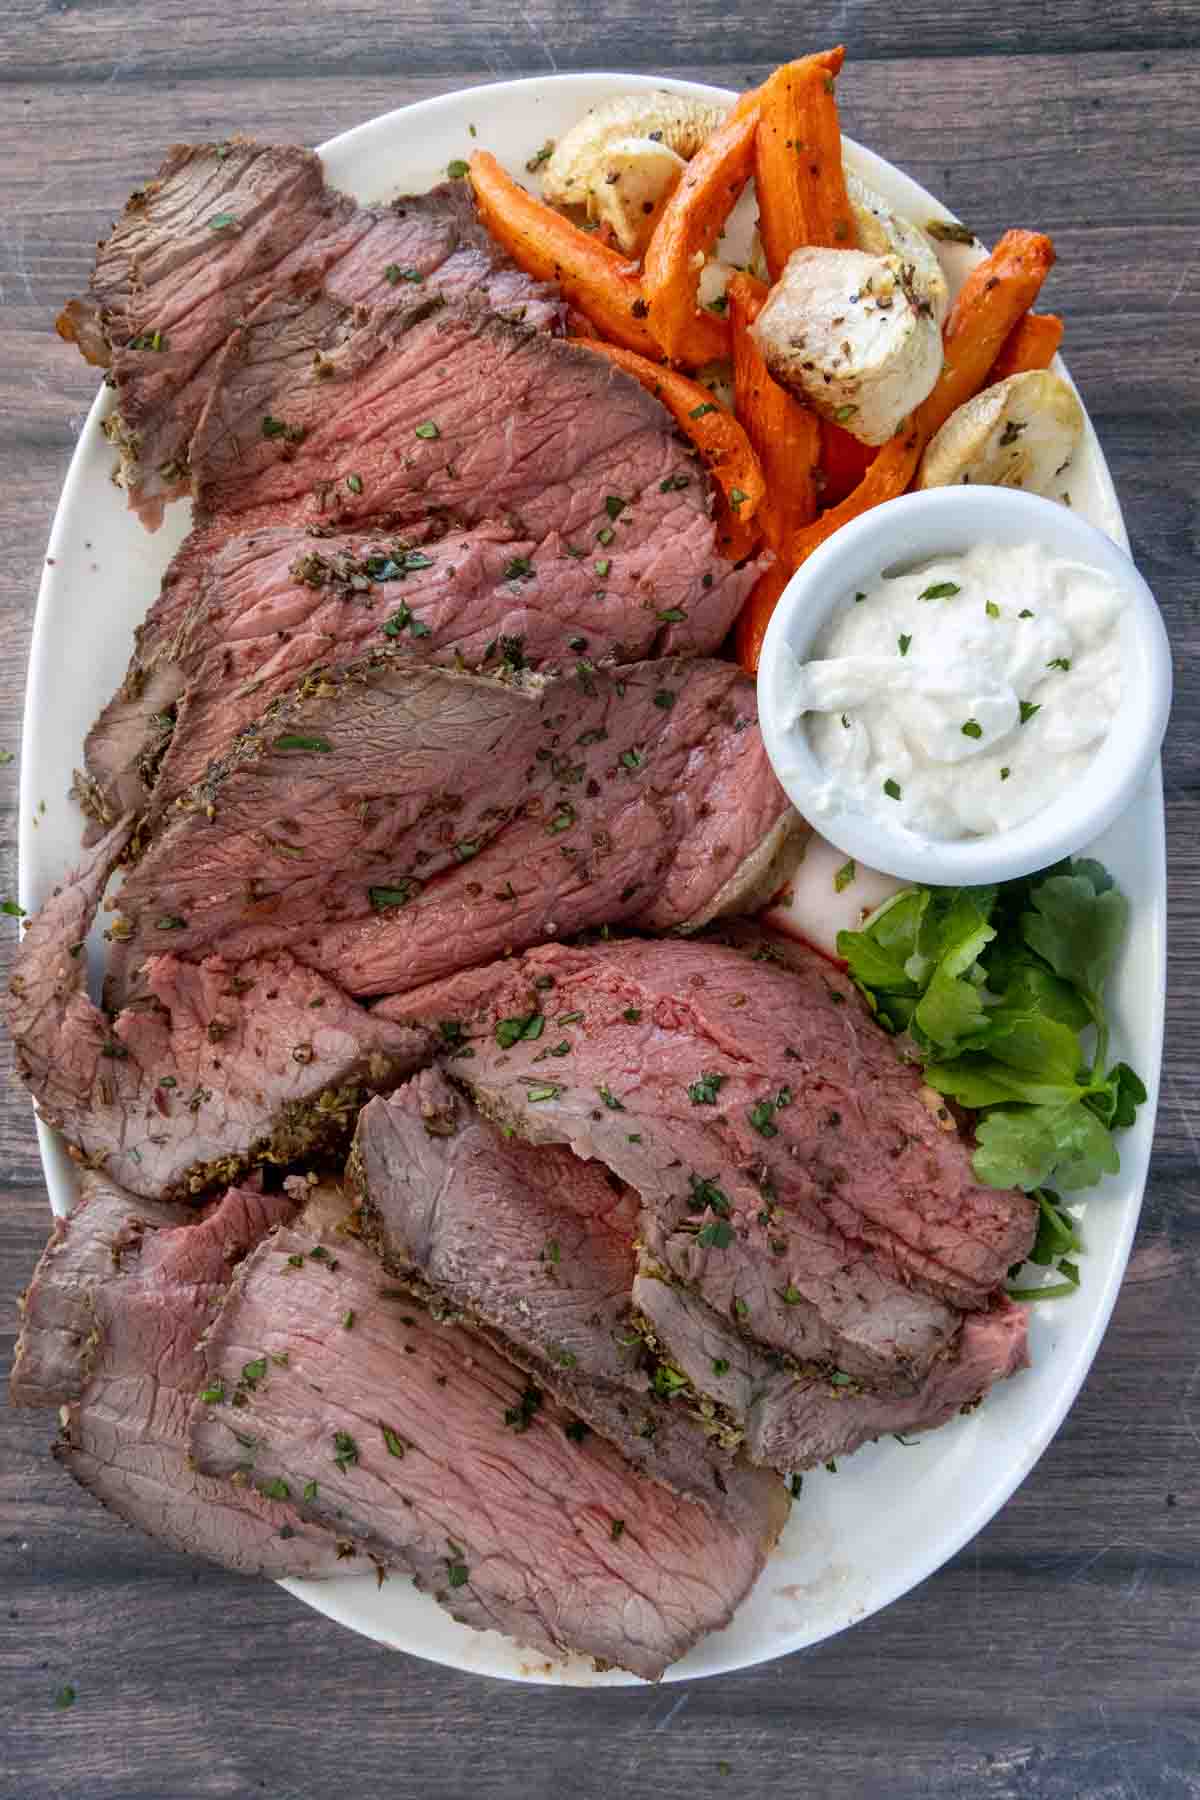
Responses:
[1059,1654]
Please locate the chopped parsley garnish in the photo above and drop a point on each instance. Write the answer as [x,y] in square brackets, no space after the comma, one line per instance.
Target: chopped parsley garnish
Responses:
[845,876]
[549,1091]
[720,1365]
[383,899]
[605,534]
[736,498]
[610,1100]
[395,1443]
[665,699]
[632,1014]
[511,1031]
[576,1431]
[633,759]
[904,640]
[292,740]
[845,412]
[348,1320]
[941,590]
[428,429]
[553,1251]
[617,1529]
[704,1091]
[949,231]
[672,615]
[539,156]
[521,1416]
[972,728]
[1005,773]
[603,566]
[991,609]
[518,568]
[614,506]
[395,274]
[706,1194]
[456,171]
[1025,613]
[668,1381]
[1059,662]
[761,1116]
[892,789]
[716,1235]
[253,1372]
[222,221]
[354,483]
[213,1396]
[698,412]
[277,1489]
[457,1573]
[345,1450]
[309,1491]
[1027,710]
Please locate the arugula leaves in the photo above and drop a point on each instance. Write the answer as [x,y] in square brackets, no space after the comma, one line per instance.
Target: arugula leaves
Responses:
[1001,991]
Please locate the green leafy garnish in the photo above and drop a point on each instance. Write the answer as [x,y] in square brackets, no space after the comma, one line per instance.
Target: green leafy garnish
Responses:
[1002,992]
[511,1031]
[704,1091]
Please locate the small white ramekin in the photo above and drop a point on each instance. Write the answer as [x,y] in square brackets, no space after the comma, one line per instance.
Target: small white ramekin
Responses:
[910,530]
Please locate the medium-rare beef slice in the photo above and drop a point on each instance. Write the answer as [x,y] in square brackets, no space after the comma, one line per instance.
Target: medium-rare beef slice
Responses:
[220,228]
[110,1335]
[787,1161]
[214,1068]
[536,1249]
[541,807]
[791,1417]
[402,1435]
[430,406]
[265,606]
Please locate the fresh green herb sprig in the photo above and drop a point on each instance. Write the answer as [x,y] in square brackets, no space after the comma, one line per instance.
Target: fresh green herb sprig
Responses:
[1002,992]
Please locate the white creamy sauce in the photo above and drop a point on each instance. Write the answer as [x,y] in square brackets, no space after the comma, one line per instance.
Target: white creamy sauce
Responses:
[970,641]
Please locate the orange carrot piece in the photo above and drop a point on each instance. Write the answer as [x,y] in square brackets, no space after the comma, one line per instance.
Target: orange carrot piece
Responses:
[992,299]
[722,443]
[1031,344]
[687,229]
[755,616]
[798,161]
[784,433]
[601,283]
[844,462]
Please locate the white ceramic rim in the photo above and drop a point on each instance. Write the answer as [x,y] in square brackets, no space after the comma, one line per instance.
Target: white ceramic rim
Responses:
[420,1627]
[936,522]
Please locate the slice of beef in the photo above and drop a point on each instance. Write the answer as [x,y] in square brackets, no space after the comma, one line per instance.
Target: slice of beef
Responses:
[400,413]
[110,1335]
[789,1166]
[265,606]
[792,1417]
[216,1067]
[218,229]
[399,1433]
[536,1249]
[642,794]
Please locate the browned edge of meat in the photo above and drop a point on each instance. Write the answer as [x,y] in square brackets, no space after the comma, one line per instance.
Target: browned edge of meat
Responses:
[110,1336]
[214,1068]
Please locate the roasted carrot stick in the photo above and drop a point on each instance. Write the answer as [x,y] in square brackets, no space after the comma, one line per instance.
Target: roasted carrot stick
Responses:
[547,246]
[688,227]
[844,462]
[798,160]
[992,299]
[721,441]
[784,433]
[1031,344]
[755,616]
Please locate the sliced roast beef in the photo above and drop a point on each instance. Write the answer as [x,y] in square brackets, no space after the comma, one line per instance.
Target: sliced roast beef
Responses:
[792,1417]
[402,1435]
[400,413]
[536,1248]
[789,1166]
[220,227]
[263,607]
[110,1336]
[214,1068]
[541,808]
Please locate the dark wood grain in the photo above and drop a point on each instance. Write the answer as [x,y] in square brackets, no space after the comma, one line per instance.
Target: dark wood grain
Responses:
[1059,1655]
